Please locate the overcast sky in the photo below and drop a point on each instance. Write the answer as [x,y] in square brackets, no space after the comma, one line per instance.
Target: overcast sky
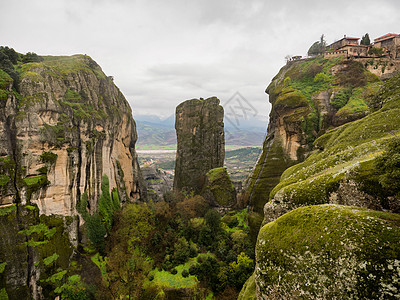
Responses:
[164,52]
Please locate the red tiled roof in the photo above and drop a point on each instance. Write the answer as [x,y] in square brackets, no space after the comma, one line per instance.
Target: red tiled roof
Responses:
[386,37]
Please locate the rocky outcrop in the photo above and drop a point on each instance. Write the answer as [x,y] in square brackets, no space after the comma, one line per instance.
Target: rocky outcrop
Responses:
[328,252]
[67,127]
[308,98]
[218,189]
[158,182]
[201,146]
[309,245]
[64,127]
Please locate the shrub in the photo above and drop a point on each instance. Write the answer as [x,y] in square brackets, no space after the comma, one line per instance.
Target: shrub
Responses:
[151,277]
[375,51]
[193,269]
[31,57]
[185,273]
[174,271]
[341,98]
[48,157]
[322,77]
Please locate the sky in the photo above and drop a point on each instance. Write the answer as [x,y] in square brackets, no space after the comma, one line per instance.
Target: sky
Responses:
[164,52]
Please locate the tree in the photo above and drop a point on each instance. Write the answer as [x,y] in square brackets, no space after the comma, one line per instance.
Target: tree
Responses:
[31,57]
[128,263]
[318,47]
[365,40]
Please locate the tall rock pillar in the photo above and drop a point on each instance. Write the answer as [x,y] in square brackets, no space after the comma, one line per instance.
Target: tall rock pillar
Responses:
[201,144]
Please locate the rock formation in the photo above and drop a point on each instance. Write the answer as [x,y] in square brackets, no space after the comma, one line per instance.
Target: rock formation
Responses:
[63,126]
[69,125]
[308,97]
[218,189]
[328,128]
[329,252]
[201,145]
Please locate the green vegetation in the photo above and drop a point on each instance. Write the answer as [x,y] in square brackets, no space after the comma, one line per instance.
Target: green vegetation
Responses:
[365,40]
[4,211]
[388,165]
[376,51]
[311,248]
[219,187]
[318,47]
[4,179]
[48,157]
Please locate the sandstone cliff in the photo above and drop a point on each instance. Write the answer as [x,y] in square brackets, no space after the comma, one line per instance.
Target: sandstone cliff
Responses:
[64,127]
[332,128]
[68,125]
[201,144]
[308,97]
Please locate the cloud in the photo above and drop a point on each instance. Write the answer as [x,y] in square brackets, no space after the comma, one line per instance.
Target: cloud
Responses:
[164,52]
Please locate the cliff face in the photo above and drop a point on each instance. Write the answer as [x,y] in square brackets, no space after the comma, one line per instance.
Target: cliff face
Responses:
[201,144]
[68,126]
[63,126]
[337,163]
[308,98]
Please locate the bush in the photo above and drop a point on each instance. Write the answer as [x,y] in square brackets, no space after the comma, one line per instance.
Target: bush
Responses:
[31,57]
[193,269]
[341,98]
[151,277]
[322,77]
[174,271]
[375,51]
[185,273]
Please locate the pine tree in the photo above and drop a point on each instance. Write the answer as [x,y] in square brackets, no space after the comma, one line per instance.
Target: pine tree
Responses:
[365,40]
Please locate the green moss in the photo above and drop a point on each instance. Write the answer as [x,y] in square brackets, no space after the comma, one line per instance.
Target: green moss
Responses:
[248,291]
[36,181]
[72,96]
[2,267]
[5,80]
[221,187]
[4,179]
[290,98]
[329,252]
[4,211]
[3,294]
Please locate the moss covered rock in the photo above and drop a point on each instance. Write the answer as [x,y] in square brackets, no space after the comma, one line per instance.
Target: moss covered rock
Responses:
[341,168]
[218,188]
[329,252]
[248,291]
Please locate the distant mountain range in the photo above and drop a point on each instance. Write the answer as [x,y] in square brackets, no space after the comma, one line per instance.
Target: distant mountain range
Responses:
[155,132]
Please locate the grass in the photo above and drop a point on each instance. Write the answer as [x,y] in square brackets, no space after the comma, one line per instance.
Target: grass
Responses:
[165,279]
[36,180]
